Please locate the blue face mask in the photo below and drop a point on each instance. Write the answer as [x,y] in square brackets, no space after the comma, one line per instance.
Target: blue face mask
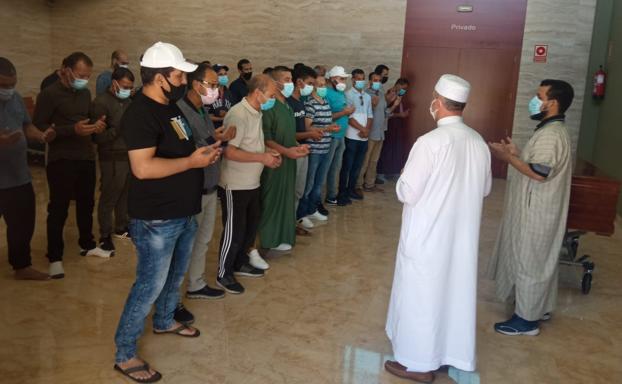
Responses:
[306,91]
[534,106]
[268,104]
[376,85]
[79,84]
[6,93]
[123,93]
[402,92]
[223,80]
[288,89]
[360,84]
[321,91]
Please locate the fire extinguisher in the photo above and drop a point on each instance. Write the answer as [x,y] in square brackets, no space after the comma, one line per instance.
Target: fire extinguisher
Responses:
[600,80]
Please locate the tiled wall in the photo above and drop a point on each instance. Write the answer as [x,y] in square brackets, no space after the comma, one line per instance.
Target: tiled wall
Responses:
[351,33]
[566,26]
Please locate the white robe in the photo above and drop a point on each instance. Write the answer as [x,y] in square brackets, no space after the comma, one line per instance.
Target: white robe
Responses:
[431,319]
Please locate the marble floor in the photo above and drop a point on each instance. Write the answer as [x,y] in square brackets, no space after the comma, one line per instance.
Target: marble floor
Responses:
[317,317]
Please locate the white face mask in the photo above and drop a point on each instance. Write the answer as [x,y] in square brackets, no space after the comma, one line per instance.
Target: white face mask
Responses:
[210,97]
[340,87]
[433,112]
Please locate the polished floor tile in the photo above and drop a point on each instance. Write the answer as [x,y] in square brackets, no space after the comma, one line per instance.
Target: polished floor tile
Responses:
[317,317]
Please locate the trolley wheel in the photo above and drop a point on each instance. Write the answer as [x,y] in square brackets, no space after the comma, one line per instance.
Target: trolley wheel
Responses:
[586,283]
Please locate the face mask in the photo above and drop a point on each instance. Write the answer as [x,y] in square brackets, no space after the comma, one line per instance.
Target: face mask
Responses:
[401,92]
[340,87]
[433,112]
[268,104]
[223,80]
[535,106]
[79,84]
[210,97]
[123,93]
[247,76]
[385,79]
[306,91]
[176,92]
[124,66]
[376,85]
[360,84]
[6,94]
[288,89]
[321,91]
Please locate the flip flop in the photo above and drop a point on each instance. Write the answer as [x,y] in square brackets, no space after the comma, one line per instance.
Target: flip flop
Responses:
[302,232]
[141,368]
[178,331]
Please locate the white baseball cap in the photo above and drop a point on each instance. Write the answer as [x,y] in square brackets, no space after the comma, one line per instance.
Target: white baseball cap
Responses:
[164,55]
[337,71]
[454,88]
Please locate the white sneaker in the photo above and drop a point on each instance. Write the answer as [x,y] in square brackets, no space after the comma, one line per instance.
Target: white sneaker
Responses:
[306,223]
[56,270]
[282,248]
[317,216]
[257,261]
[97,251]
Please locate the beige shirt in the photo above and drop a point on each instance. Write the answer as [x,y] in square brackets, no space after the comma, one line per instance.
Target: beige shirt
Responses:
[235,175]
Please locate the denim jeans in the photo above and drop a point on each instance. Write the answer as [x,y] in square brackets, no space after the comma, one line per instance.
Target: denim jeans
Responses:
[352,162]
[163,248]
[316,175]
[335,156]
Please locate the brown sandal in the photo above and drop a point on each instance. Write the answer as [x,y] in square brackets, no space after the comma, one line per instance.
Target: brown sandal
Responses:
[141,368]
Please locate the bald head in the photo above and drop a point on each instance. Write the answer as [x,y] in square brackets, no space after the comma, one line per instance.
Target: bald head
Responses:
[118,58]
[262,83]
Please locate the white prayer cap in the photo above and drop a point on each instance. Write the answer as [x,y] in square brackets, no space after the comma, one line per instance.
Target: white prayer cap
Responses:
[453,88]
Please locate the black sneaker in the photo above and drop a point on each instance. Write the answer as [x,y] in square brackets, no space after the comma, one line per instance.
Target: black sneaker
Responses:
[182,315]
[248,270]
[106,244]
[342,202]
[379,181]
[230,284]
[206,293]
[354,195]
[331,201]
[322,209]
[123,234]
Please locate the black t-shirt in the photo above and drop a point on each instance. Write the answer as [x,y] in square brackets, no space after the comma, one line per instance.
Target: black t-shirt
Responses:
[145,124]
[239,90]
[223,103]
[299,113]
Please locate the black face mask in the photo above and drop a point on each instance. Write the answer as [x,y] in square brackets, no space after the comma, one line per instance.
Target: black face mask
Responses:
[176,92]
[538,116]
[385,79]
[247,75]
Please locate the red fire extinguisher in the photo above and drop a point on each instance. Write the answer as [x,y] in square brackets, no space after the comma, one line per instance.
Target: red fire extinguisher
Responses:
[600,80]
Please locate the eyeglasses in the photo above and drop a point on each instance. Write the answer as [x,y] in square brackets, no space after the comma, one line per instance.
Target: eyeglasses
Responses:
[210,85]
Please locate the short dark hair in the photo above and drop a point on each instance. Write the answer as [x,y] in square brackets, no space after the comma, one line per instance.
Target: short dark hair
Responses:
[7,68]
[402,81]
[122,73]
[561,91]
[303,72]
[268,71]
[242,62]
[198,74]
[451,105]
[372,74]
[147,75]
[358,71]
[380,68]
[278,69]
[298,65]
[73,59]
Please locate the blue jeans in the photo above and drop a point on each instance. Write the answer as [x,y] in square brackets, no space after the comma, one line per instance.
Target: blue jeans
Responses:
[353,159]
[335,156]
[316,175]
[163,248]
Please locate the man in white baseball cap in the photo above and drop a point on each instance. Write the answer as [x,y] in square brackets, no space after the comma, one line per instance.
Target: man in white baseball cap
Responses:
[336,98]
[431,319]
[164,196]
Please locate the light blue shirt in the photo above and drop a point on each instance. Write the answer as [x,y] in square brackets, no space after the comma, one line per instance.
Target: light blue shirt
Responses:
[361,101]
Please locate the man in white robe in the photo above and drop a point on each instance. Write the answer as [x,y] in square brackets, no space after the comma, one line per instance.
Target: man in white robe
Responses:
[431,319]
[525,261]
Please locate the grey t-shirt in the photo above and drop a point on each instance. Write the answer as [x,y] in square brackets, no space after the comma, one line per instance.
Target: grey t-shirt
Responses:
[13,161]
[379,125]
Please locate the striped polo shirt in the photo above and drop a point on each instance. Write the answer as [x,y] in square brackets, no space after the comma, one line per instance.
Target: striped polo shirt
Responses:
[322,116]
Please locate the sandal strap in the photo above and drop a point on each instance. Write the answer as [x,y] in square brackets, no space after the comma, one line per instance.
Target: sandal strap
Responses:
[140,368]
